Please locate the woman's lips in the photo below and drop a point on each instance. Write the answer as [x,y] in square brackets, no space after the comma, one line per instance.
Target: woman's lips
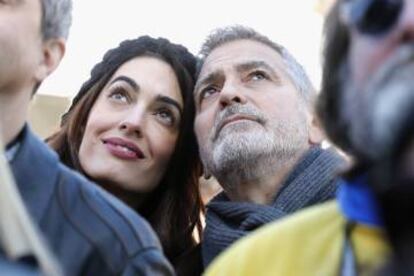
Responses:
[123,149]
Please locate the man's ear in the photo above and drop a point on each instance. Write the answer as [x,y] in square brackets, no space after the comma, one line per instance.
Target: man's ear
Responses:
[52,53]
[316,133]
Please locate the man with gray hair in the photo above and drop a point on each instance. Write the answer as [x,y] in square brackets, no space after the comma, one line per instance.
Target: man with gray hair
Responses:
[257,136]
[89,231]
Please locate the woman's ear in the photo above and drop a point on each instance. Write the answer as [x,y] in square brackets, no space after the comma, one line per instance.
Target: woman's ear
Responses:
[52,53]
[316,134]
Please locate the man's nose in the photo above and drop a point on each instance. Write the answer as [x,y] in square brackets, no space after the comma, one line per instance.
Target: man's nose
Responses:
[232,93]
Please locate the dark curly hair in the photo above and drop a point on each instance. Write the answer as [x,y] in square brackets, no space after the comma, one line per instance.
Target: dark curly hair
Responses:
[173,208]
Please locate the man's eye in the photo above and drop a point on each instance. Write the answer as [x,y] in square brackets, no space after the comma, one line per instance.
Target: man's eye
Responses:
[257,75]
[207,92]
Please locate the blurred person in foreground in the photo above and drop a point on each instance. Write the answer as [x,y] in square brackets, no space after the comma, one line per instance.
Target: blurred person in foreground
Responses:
[89,231]
[130,130]
[367,108]
[257,136]
[22,249]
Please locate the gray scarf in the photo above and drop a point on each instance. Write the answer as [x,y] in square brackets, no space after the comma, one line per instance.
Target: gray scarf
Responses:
[313,180]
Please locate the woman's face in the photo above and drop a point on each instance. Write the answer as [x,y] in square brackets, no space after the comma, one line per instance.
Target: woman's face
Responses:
[133,126]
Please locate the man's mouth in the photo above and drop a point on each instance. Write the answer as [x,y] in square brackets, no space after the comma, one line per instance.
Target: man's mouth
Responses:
[237,118]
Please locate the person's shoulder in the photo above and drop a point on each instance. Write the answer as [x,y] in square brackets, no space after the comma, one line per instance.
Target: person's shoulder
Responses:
[295,227]
[121,235]
[103,207]
[275,248]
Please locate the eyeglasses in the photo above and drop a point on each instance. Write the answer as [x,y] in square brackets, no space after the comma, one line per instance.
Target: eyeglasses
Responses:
[373,17]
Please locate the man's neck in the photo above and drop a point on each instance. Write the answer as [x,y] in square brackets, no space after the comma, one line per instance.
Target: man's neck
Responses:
[13,110]
[262,189]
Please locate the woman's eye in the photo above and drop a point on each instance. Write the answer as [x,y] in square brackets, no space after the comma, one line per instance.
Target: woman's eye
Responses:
[119,95]
[166,116]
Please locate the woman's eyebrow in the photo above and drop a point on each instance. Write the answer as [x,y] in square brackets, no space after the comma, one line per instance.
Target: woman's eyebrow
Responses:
[170,101]
[128,80]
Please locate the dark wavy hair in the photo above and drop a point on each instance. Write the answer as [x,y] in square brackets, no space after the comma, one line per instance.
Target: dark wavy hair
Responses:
[174,207]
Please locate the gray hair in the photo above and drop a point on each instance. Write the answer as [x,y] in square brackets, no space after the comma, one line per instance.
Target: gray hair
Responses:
[56,18]
[228,34]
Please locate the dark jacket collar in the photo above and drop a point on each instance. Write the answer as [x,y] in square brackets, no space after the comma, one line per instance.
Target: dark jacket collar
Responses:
[13,146]
[35,168]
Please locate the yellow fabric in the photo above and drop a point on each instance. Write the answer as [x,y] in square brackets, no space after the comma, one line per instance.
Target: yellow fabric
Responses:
[307,243]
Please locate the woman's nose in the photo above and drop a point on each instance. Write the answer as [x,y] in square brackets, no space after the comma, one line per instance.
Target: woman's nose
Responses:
[133,121]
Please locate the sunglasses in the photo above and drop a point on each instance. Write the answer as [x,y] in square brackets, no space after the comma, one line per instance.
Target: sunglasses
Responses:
[372,17]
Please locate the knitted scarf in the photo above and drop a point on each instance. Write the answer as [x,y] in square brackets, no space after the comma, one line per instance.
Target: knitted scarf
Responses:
[313,180]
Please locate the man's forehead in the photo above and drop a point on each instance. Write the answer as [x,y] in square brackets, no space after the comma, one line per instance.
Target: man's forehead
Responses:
[236,54]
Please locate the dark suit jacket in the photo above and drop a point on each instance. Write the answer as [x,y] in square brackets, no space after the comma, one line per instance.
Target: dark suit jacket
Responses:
[90,231]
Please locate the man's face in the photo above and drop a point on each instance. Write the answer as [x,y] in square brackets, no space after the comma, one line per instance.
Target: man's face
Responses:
[379,91]
[247,109]
[20,44]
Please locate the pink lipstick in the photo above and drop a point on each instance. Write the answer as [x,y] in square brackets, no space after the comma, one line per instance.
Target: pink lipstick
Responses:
[123,148]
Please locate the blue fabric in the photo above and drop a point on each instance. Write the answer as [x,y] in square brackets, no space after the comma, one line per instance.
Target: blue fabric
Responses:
[11,152]
[17,267]
[357,202]
[13,146]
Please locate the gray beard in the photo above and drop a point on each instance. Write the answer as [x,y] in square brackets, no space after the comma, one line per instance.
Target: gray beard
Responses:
[248,151]
[377,113]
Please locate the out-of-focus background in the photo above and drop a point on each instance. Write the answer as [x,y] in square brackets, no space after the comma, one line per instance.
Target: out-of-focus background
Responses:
[99,25]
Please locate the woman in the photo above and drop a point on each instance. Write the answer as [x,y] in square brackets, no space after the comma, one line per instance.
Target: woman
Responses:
[129,129]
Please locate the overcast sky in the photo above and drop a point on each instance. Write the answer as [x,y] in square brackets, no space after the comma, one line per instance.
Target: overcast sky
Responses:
[99,25]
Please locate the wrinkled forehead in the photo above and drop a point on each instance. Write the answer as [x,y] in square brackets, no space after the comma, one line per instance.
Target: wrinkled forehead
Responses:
[232,55]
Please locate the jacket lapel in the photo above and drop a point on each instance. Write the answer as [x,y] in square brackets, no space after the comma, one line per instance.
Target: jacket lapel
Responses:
[35,168]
